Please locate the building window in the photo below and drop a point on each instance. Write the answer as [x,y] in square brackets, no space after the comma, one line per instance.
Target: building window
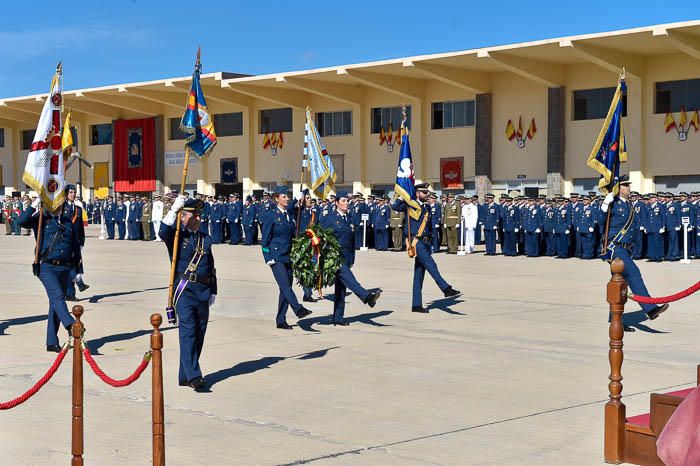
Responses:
[101,134]
[383,116]
[229,124]
[175,133]
[2,138]
[334,123]
[671,96]
[338,161]
[593,104]
[74,133]
[276,120]
[27,138]
[453,114]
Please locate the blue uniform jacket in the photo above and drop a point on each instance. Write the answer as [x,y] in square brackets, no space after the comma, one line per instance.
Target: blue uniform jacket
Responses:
[619,215]
[110,212]
[60,240]
[400,206]
[344,233]
[564,216]
[187,247]
[382,217]
[120,213]
[533,219]
[492,214]
[550,219]
[656,217]
[278,229]
[510,218]
[673,216]
[134,214]
[249,214]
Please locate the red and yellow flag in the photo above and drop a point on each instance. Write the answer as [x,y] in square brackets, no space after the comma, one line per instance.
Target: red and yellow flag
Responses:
[510,130]
[389,135]
[684,118]
[519,132]
[382,136]
[695,121]
[669,123]
[531,130]
[280,141]
[266,141]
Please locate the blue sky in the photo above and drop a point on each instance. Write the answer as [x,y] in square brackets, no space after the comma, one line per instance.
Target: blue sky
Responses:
[125,41]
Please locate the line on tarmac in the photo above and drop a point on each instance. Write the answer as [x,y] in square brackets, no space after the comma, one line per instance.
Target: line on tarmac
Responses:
[465,429]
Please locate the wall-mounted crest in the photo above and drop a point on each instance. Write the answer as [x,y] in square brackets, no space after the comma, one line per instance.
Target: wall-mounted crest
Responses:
[683,125]
[389,138]
[517,134]
[273,141]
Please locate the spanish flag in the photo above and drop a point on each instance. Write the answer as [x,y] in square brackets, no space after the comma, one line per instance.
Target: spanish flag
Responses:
[273,140]
[669,123]
[382,136]
[531,130]
[510,130]
[695,121]
[280,141]
[519,132]
[389,135]
[684,118]
[266,141]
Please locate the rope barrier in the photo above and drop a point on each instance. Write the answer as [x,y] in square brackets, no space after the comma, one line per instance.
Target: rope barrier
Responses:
[114,382]
[665,299]
[37,386]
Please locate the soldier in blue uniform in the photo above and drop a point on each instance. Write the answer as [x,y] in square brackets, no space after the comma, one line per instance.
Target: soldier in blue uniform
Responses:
[586,229]
[196,286]
[619,243]
[339,222]
[134,219]
[359,209]
[687,211]
[59,254]
[673,227]
[479,221]
[640,216]
[490,221]
[303,210]
[120,218]
[532,227]
[655,226]
[75,213]
[278,229]
[109,211]
[235,214]
[563,229]
[248,220]
[382,217]
[510,218]
[549,224]
[216,219]
[436,214]
[421,236]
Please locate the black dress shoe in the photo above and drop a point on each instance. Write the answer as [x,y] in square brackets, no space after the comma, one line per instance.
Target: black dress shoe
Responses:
[284,325]
[309,299]
[654,313]
[53,348]
[420,309]
[82,286]
[373,297]
[303,312]
[342,323]
[71,298]
[198,384]
[628,329]
[183,383]
[451,292]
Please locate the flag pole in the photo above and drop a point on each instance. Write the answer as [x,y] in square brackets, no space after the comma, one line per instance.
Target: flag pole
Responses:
[409,247]
[304,157]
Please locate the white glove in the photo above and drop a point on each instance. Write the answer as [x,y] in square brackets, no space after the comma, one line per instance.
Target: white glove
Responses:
[445,225]
[566,232]
[36,203]
[590,229]
[641,228]
[678,228]
[300,196]
[537,230]
[235,221]
[662,230]
[609,198]
[271,262]
[517,230]
[178,203]
[212,300]
[495,228]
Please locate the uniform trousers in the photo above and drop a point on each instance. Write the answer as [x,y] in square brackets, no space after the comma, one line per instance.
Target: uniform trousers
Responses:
[156,229]
[490,239]
[424,262]
[216,232]
[235,232]
[509,247]
[283,276]
[121,226]
[469,240]
[110,230]
[655,246]
[632,275]
[248,234]
[673,252]
[550,244]
[532,242]
[637,244]
[562,242]
[55,279]
[381,239]
[345,279]
[193,316]
[586,245]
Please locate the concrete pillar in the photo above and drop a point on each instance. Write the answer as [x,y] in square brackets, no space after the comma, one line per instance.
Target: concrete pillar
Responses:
[483,144]
[160,153]
[556,142]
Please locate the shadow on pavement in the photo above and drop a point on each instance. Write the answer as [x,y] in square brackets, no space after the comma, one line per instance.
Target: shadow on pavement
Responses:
[96,298]
[98,343]
[367,319]
[635,319]
[5,324]
[445,304]
[249,367]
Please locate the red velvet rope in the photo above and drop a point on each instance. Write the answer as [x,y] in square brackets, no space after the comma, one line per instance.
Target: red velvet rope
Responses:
[666,299]
[113,382]
[37,386]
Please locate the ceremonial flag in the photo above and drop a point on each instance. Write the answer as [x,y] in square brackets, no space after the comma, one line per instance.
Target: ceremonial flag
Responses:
[695,121]
[280,140]
[67,138]
[266,141]
[510,130]
[389,135]
[609,149]
[531,130]
[669,123]
[405,181]
[382,136]
[45,170]
[519,132]
[323,174]
[197,121]
[684,118]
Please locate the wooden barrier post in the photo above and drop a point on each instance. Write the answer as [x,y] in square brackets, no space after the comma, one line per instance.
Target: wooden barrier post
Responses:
[77,426]
[615,414]
[157,391]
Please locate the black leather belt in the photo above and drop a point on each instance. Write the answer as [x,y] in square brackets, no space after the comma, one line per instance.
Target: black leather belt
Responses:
[425,239]
[194,278]
[58,263]
[624,245]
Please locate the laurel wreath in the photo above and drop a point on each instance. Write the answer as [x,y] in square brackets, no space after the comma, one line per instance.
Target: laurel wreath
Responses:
[305,265]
